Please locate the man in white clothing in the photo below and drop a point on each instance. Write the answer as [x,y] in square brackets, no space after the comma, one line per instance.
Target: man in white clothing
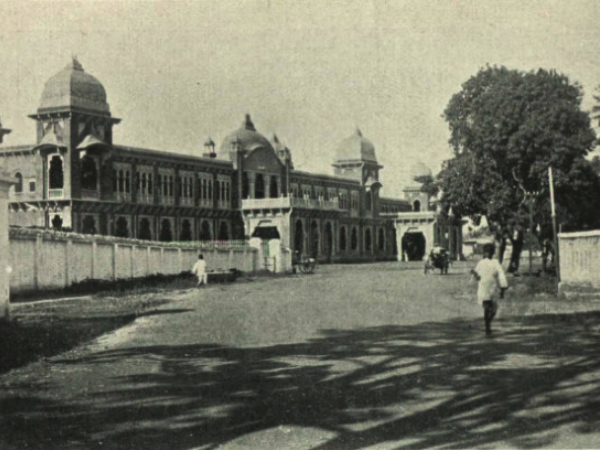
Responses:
[490,274]
[199,270]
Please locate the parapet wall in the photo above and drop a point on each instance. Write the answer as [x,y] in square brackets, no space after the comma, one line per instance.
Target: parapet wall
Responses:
[52,260]
[579,256]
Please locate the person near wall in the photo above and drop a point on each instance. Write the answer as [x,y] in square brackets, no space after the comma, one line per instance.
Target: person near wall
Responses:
[199,270]
[489,274]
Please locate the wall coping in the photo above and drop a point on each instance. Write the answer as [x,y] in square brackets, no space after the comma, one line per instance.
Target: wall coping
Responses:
[579,234]
[51,235]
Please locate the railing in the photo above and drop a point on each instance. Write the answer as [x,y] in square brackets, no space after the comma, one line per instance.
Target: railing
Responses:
[223,204]
[205,202]
[145,198]
[287,202]
[55,193]
[228,243]
[166,200]
[90,194]
[186,201]
[122,197]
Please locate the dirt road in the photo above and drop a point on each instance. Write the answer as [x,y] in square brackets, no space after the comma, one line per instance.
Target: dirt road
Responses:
[353,357]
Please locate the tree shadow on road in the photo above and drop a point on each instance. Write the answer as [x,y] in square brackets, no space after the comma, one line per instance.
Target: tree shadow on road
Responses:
[437,384]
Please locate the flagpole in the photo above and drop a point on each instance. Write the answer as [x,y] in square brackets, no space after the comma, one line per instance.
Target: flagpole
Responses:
[556,253]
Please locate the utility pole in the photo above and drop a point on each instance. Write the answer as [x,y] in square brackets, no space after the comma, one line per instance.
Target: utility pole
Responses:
[556,255]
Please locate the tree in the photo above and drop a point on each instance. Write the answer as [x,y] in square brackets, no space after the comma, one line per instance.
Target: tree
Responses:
[506,128]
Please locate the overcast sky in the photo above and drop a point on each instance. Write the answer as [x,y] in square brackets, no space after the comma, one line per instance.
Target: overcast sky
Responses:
[311,71]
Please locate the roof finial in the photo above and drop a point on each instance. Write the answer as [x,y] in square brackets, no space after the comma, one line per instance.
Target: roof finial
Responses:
[75,64]
[248,125]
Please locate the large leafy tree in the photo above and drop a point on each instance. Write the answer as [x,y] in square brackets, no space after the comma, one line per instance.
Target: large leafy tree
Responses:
[507,127]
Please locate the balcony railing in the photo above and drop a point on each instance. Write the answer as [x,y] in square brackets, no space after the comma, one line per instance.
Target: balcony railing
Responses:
[89,194]
[145,198]
[55,194]
[290,202]
[122,197]
[186,201]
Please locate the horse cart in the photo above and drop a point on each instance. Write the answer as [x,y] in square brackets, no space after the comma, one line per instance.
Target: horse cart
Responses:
[438,259]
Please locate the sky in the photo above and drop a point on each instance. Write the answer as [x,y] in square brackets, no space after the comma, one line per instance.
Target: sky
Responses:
[311,71]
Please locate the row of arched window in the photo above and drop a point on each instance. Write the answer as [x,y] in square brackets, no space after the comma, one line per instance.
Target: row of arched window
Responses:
[19,186]
[354,239]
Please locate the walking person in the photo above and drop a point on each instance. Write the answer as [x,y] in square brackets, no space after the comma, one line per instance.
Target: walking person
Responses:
[489,274]
[199,270]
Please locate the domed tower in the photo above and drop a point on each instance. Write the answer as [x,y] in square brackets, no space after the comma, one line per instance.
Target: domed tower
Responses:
[74,133]
[419,200]
[355,158]
[260,172]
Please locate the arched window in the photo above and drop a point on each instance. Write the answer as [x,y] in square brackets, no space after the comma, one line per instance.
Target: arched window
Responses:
[56,174]
[354,239]
[186,231]
[121,181]
[273,189]
[122,228]
[89,174]
[416,206]
[205,234]
[368,200]
[144,231]
[89,225]
[343,238]
[150,183]
[259,186]
[166,235]
[245,186]
[223,232]
[144,188]
[381,239]
[19,184]
[368,245]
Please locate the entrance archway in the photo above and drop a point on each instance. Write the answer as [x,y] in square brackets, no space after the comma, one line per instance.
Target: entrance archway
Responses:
[413,246]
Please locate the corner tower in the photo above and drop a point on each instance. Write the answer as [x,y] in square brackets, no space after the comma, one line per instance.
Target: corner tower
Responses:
[74,134]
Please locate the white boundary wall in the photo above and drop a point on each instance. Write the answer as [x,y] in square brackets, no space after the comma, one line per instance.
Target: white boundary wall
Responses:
[579,256]
[45,260]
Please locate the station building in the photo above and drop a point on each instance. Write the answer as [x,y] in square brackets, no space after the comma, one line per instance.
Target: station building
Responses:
[75,177]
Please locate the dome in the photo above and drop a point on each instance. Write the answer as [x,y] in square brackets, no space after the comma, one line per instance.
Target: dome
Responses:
[246,137]
[419,171]
[73,88]
[356,147]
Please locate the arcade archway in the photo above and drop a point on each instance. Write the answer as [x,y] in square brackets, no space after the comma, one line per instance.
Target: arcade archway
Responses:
[413,246]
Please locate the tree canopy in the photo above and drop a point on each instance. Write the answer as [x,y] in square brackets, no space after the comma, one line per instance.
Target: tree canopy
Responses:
[506,128]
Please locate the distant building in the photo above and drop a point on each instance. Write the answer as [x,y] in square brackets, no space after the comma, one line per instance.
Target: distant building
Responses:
[75,177]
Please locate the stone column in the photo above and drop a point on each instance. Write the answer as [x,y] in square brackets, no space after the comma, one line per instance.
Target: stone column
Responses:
[267,179]
[399,234]
[251,185]
[5,182]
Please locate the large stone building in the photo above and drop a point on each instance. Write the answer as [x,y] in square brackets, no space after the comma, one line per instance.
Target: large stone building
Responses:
[75,177]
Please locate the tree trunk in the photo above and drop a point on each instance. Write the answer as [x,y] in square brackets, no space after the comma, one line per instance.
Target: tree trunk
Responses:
[517,248]
[501,248]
